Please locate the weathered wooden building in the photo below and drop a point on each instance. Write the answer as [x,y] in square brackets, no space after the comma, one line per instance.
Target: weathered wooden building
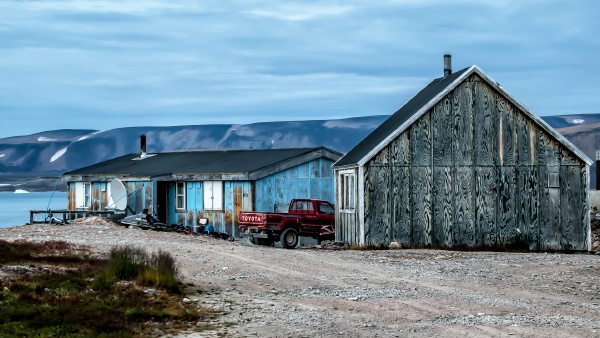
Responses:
[184,187]
[464,165]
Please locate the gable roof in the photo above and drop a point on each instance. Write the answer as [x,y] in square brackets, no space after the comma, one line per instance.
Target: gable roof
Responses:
[420,104]
[230,164]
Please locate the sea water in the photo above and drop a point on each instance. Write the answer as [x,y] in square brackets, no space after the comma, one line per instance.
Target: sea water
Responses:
[14,207]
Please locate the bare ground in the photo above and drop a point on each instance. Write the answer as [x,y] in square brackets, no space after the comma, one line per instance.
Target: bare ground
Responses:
[307,292]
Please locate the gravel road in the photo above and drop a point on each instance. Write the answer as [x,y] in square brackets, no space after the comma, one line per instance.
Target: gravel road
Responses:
[309,292]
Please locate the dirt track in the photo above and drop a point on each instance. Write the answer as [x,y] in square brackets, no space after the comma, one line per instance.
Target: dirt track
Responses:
[273,292]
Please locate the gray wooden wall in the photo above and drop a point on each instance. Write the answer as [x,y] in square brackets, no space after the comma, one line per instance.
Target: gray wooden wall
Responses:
[473,173]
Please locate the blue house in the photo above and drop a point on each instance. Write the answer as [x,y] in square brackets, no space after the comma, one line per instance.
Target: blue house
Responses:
[187,186]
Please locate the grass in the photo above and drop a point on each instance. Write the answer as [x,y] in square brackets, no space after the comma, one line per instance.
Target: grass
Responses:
[63,292]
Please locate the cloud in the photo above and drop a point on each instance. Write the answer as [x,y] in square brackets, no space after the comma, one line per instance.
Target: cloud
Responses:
[300,12]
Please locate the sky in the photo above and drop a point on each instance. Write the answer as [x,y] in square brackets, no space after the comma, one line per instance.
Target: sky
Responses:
[86,64]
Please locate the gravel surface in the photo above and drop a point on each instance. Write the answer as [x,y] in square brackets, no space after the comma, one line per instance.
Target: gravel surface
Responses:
[309,292]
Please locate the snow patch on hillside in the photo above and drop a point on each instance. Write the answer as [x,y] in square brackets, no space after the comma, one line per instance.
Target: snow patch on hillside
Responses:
[578,121]
[58,154]
[87,136]
[46,139]
[2,155]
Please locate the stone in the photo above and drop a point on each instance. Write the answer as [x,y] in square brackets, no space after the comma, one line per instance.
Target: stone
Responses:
[395,246]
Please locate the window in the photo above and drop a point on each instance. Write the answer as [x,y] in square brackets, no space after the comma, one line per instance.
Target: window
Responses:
[87,195]
[180,195]
[325,208]
[346,189]
[213,195]
[83,194]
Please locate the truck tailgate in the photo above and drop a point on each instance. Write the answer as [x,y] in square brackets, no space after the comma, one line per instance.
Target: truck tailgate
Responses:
[251,218]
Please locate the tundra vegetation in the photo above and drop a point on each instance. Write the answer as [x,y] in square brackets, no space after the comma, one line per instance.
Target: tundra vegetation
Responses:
[55,289]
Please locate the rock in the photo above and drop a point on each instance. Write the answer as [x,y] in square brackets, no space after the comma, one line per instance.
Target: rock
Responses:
[596,246]
[395,246]
[201,324]
[187,300]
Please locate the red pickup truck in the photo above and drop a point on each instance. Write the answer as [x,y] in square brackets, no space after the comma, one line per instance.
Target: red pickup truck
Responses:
[305,217]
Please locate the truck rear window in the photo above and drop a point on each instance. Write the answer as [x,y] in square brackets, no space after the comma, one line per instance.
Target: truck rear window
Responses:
[325,208]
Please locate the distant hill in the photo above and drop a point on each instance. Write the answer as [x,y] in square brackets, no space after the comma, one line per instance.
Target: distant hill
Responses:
[45,155]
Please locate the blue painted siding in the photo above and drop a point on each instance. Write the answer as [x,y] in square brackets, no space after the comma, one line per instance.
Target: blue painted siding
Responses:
[309,180]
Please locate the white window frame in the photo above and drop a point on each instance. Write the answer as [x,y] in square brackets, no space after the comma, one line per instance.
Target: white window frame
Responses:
[212,191]
[347,191]
[180,193]
[83,196]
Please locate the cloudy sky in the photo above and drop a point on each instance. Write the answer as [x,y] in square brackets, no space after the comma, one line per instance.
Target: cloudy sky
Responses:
[85,64]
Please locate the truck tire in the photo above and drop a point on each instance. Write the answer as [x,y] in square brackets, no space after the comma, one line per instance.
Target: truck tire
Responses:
[289,238]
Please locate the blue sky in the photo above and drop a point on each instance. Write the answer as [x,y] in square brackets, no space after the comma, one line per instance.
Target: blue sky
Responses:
[85,64]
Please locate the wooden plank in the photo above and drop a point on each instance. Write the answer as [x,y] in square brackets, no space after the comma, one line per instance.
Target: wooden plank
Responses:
[527,200]
[464,223]
[378,220]
[421,206]
[400,149]
[524,146]
[485,206]
[420,141]
[573,208]
[506,131]
[441,125]
[549,211]
[442,207]
[400,209]
[463,124]
[485,125]
[506,207]
[549,150]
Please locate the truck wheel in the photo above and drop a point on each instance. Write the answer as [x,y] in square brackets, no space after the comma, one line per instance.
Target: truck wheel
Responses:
[289,238]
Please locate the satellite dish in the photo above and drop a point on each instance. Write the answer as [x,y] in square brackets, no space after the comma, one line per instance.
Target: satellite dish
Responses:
[118,195]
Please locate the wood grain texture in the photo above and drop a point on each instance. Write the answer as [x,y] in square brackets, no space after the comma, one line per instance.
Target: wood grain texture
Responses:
[506,230]
[420,141]
[400,149]
[527,199]
[463,124]
[486,190]
[506,131]
[573,208]
[549,216]
[401,206]
[421,206]
[464,223]
[442,207]
[549,150]
[441,126]
[485,125]
[524,150]
[377,223]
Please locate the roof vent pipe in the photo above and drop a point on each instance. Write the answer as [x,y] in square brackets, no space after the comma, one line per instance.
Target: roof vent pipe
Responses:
[447,65]
[143,145]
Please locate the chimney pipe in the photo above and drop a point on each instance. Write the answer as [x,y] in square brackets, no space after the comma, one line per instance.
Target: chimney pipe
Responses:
[447,65]
[143,145]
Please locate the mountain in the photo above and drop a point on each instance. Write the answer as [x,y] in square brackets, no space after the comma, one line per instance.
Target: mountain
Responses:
[34,162]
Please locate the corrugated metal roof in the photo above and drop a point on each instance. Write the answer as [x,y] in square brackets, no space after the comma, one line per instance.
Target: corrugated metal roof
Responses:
[397,119]
[197,162]
[426,98]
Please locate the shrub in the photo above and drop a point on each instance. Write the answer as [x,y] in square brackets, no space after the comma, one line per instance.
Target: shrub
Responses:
[158,269]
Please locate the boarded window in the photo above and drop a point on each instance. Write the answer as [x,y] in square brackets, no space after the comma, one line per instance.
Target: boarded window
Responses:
[553,180]
[180,195]
[213,195]
[346,188]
